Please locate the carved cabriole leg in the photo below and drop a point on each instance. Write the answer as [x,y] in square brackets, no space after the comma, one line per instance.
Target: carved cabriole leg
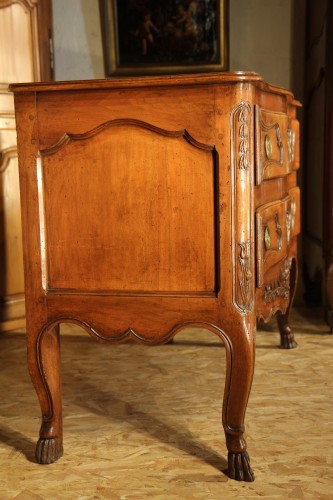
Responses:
[240,351]
[240,319]
[286,334]
[44,368]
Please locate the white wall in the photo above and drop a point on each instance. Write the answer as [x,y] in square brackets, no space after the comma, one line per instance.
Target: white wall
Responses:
[77,40]
[260,39]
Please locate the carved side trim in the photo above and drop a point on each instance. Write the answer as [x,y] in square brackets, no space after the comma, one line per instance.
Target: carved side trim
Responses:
[5,156]
[281,287]
[68,137]
[242,230]
[243,147]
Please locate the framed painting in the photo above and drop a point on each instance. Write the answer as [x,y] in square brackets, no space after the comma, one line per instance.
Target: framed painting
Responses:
[164,36]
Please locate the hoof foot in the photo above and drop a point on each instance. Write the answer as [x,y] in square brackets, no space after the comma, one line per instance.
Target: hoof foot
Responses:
[287,340]
[239,467]
[48,450]
[286,335]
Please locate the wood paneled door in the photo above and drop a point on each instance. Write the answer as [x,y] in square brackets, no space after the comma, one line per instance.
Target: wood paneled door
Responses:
[25,56]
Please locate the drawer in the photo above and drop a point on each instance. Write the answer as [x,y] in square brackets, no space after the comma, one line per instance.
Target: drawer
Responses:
[276,224]
[277,144]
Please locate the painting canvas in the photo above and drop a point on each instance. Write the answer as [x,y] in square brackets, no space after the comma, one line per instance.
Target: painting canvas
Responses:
[170,36]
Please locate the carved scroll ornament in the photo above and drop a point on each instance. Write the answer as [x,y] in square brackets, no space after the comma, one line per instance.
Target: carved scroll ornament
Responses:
[243,148]
[242,233]
[280,287]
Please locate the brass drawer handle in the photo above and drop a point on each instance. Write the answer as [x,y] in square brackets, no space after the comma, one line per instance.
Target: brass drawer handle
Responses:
[291,140]
[268,147]
[267,238]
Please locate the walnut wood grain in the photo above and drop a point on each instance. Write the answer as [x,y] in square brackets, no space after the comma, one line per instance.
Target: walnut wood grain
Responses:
[139,217]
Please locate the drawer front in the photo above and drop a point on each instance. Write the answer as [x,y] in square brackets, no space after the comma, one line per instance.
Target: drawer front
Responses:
[277,144]
[276,224]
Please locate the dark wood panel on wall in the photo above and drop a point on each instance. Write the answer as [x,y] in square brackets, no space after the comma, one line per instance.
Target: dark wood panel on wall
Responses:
[45,40]
[318,158]
[328,169]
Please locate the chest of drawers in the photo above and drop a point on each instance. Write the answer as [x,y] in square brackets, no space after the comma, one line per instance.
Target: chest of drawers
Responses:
[154,204]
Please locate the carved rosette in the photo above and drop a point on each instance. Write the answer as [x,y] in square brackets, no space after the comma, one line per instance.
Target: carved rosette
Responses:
[242,230]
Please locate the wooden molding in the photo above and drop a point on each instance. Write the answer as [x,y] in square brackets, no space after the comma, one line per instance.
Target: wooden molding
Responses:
[68,137]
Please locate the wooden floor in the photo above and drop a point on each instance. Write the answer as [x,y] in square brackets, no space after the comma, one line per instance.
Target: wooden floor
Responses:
[144,422]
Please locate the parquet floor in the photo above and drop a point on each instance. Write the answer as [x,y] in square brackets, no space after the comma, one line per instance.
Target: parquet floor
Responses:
[145,422]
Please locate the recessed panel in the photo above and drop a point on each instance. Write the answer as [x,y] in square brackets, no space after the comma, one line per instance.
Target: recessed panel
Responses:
[131,210]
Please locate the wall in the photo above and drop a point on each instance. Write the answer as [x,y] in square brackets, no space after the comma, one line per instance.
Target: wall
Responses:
[261,39]
[77,40]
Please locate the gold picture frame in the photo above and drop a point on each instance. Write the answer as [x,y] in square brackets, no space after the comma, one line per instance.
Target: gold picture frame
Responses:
[147,37]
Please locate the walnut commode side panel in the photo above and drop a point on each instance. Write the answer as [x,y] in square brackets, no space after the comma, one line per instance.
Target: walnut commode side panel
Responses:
[164,245]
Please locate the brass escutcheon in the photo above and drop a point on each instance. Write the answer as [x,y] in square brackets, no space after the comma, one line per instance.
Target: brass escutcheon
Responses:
[268,147]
